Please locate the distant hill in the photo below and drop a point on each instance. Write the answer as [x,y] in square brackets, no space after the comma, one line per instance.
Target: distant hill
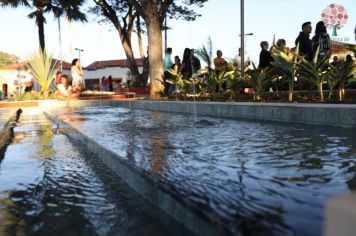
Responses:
[7,59]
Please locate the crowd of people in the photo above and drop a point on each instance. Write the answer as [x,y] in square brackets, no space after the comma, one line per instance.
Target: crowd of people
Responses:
[319,45]
[187,67]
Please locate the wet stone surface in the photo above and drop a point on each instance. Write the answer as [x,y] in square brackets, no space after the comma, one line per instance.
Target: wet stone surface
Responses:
[49,186]
[260,178]
[5,114]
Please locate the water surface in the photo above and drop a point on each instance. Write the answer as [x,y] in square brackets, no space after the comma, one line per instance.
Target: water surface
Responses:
[261,178]
[50,186]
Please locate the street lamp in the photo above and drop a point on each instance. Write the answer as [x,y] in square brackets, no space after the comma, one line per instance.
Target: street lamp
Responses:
[242,21]
[79,50]
[249,34]
[245,39]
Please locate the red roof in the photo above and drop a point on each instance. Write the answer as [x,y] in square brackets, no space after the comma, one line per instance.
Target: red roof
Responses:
[23,65]
[65,65]
[112,63]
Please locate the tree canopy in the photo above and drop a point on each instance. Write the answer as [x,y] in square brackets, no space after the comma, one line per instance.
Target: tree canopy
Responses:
[7,59]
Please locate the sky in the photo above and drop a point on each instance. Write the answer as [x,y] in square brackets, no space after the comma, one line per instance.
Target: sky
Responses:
[220,20]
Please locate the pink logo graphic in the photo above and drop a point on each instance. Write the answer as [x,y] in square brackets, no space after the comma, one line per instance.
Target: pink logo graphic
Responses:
[334,16]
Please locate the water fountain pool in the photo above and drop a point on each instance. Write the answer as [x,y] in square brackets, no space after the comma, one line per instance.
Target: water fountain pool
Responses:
[257,177]
[50,186]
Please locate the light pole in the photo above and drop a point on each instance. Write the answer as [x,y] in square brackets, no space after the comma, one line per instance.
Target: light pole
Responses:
[165,34]
[245,42]
[242,9]
[79,50]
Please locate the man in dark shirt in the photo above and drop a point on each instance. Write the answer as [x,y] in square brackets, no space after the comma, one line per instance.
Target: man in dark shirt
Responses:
[265,56]
[305,44]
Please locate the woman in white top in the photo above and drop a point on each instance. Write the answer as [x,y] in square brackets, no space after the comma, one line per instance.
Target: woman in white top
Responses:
[77,76]
[64,90]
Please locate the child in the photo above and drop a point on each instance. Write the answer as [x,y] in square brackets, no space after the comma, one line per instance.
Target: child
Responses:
[64,90]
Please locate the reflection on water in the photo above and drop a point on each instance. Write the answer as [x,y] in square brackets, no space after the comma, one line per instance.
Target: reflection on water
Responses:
[50,187]
[256,177]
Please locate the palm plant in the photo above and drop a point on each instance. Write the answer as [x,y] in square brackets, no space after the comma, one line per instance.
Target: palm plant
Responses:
[316,71]
[181,85]
[287,66]
[236,82]
[333,79]
[206,53]
[341,75]
[258,80]
[43,69]
[71,8]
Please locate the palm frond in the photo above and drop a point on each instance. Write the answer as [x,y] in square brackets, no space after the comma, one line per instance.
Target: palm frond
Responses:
[43,68]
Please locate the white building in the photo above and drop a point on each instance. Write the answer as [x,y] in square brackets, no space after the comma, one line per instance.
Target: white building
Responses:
[13,78]
[116,68]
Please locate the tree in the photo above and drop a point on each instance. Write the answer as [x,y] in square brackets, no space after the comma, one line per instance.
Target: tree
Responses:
[7,59]
[334,16]
[45,6]
[122,15]
[154,13]
[119,12]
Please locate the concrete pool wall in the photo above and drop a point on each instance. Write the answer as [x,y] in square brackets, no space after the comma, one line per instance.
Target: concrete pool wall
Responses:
[342,115]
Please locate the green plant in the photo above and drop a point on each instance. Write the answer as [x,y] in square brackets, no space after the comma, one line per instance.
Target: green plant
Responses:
[316,71]
[43,70]
[206,53]
[181,85]
[340,75]
[258,80]
[287,66]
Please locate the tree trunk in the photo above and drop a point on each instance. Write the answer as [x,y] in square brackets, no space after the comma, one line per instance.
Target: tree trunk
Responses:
[154,52]
[142,81]
[341,94]
[330,94]
[320,87]
[41,35]
[126,43]
[334,30]
[290,90]
[139,38]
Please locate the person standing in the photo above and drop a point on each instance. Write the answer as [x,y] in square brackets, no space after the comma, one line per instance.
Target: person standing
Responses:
[237,61]
[110,85]
[305,44]
[77,76]
[265,56]
[128,79]
[219,62]
[103,84]
[186,68]
[321,39]
[167,65]
[177,62]
[220,66]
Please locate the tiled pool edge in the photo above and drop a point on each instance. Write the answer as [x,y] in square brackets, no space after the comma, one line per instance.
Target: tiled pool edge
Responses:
[176,206]
[5,131]
[342,115]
